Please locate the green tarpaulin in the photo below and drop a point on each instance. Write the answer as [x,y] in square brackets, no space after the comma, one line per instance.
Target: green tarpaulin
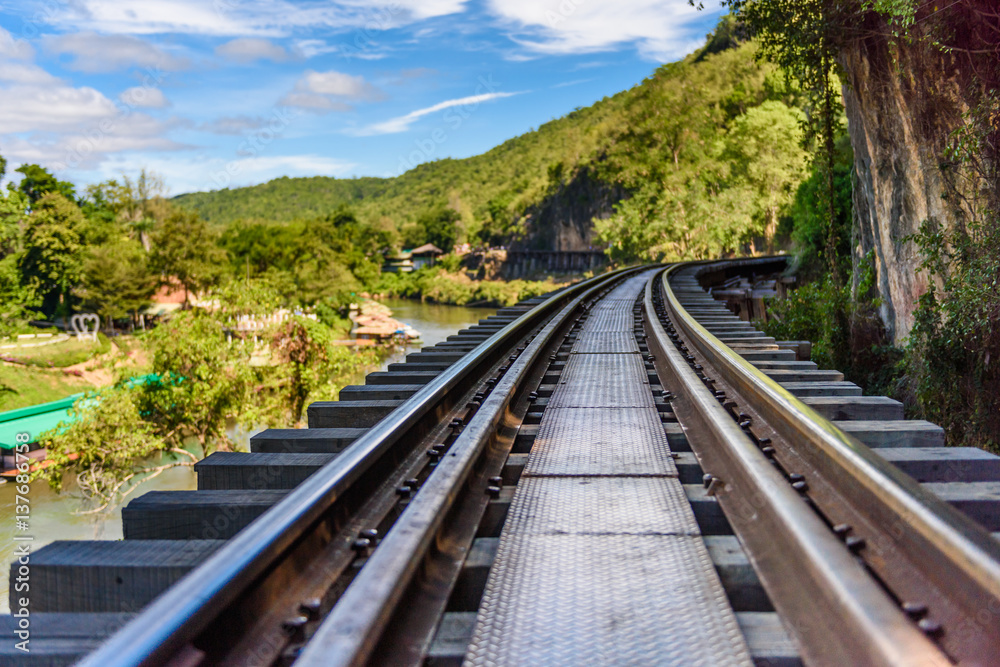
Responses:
[34,420]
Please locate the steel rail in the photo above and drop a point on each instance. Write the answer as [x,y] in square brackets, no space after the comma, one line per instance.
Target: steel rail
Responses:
[349,634]
[927,551]
[167,626]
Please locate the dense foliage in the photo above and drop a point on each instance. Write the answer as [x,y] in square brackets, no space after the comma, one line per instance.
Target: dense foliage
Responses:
[203,379]
[445,283]
[705,155]
[947,368]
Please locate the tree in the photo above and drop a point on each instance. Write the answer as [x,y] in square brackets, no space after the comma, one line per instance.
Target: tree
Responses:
[804,39]
[185,251]
[305,345]
[53,254]
[103,444]
[136,205]
[765,150]
[440,227]
[116,279]
[204,379]
[18,298]
[38,182]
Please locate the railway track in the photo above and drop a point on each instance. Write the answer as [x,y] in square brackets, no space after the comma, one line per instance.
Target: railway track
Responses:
[621,472]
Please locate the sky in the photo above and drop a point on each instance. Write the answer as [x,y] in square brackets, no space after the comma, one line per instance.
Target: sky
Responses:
[226,93]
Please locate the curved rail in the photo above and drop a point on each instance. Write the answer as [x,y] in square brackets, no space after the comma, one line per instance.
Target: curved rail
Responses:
[349,634]
[872,568]
[167,627]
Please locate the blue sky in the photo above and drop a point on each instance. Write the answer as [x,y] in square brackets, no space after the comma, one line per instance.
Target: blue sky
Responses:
[216,93]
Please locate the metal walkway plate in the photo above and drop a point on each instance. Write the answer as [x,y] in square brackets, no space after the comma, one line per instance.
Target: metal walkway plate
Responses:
[606,342]
[601,506]
[600,559]
[609,320]
[603,380]
[601,441]
[605,600]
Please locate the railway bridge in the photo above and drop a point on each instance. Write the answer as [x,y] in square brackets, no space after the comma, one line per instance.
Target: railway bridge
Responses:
[622,472]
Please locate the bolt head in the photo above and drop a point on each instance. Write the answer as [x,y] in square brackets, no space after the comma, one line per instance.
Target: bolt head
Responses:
[915,610]
[929,627]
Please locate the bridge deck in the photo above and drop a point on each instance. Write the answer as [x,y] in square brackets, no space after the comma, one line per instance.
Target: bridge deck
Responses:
[601,560]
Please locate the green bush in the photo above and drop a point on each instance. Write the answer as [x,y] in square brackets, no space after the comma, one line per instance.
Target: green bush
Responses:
[846,331]
[954,347]
[439,285]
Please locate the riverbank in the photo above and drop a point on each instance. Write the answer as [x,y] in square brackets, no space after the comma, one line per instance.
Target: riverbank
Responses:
[447,285]
[55,516]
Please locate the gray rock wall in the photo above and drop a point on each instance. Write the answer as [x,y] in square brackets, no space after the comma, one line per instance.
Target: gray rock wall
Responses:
[899,125]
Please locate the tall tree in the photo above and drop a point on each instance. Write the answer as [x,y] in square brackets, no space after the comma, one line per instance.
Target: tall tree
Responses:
[116,280]
[803,38]
[440,227]
[135,204]
[184,250]
[52,257]
[38,182]
[765,149]
[18,298]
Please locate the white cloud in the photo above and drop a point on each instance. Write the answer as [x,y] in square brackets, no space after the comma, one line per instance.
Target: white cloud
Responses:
[145,96]
[424,9]
[15,49]
[338,84]
[660,30]
[247,50]
[329,91]
[25,73]
[260,18]
[315,47]
[234,125]
[92,52]
[402,123]
[566,84]
[64,127]
[313,102]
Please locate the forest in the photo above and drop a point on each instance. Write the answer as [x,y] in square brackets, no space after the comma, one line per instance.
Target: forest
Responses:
[767,138]
[702,157]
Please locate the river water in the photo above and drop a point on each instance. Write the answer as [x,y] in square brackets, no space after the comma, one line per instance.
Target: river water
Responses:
[55,516]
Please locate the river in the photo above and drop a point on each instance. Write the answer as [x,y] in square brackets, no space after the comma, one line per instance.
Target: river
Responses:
[54,516]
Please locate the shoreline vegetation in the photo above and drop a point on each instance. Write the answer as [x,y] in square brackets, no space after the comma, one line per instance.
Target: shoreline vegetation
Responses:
[207,378]
[446,283]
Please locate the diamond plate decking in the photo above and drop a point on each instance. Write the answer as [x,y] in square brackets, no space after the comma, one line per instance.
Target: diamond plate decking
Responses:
[601,441]
[600,560]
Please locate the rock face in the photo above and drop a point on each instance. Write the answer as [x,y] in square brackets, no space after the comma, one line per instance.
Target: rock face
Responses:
[562,221]
[898,125]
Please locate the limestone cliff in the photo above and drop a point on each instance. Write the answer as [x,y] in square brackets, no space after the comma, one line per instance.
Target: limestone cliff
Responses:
[897,131]
[902,103]
[562,220]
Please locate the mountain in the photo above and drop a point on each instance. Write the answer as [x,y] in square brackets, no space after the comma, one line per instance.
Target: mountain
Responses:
[649,145]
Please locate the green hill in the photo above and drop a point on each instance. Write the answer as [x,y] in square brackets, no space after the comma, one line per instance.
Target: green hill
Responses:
[670,155]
